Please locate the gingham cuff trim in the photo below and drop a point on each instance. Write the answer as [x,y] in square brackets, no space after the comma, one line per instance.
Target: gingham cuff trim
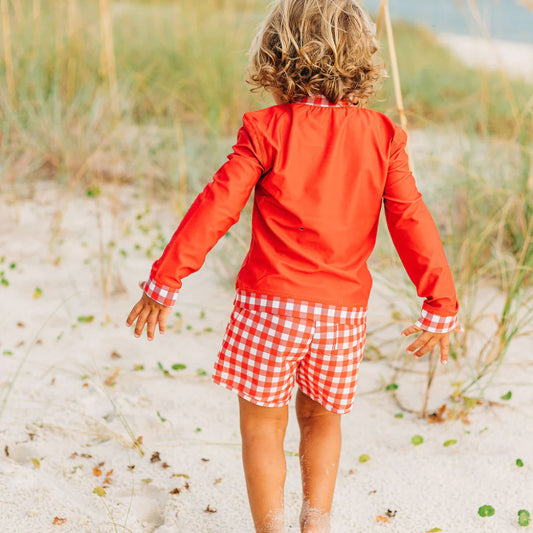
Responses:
[161,293]
[435,323]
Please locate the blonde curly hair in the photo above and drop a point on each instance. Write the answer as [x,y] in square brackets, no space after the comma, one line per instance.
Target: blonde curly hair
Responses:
[310,47]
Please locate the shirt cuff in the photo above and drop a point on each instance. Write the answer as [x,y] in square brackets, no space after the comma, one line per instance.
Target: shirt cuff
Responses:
[162,294]
[436,323]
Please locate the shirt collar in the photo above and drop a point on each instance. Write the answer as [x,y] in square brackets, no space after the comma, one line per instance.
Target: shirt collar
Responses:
[322,101]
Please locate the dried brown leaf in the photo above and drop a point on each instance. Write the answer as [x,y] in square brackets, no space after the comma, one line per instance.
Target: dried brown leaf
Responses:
[110,381]
[439,415]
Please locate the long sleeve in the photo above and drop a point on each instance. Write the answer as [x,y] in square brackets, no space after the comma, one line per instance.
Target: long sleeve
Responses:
[210,216]
[418,243]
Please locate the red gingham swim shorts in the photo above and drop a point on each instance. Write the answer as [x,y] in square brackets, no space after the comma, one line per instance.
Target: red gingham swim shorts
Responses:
[272,342]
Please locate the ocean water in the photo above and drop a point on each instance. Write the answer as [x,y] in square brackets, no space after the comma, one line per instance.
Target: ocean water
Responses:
[511,20]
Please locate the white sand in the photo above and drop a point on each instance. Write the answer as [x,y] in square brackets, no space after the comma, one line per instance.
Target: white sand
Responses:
[514,59]
[50,414]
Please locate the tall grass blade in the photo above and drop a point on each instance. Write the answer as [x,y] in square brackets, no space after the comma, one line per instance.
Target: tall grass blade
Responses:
[109,64]
[8,55]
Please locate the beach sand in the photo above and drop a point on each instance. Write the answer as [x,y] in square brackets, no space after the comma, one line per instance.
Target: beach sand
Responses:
[80,398]
[512,58]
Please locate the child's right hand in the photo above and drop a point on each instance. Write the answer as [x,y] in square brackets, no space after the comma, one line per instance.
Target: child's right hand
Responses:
[426,341]
[149,312]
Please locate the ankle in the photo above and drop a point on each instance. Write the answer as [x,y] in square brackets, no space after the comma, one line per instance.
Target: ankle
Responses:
[314,520]
[274,522]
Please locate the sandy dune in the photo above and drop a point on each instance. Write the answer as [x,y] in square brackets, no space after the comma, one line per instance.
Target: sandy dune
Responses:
[79,400]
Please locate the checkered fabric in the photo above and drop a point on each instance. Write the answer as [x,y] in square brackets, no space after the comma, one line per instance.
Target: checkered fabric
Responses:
[321,101]
[264,354]
[298,308]
[161,293]
[435,323]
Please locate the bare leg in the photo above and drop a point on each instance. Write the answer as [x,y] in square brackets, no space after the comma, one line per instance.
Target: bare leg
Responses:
[320,446]
[263,433]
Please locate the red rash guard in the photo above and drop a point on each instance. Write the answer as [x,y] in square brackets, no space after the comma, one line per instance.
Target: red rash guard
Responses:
[320,174]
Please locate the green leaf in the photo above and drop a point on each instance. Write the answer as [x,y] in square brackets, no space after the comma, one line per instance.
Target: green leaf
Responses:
[470,403]
[37,293]
[364,458]
[93,192]
[524,518]
[179,366]
[417,439]
[391,386]
[198,430]
[507,395]
[160,417]
[160,365]
[7,352]
[519,463]
[450,442]
[99,491]
[147,480]
[486,510]
[86,319]
[201,372]
[138,367]
[434,530]
[13,265]
[398,415]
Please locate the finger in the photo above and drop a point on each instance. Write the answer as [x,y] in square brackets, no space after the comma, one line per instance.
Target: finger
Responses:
[430,344]
[142,284]
[410,330]
[444,349]
[151,324]
[134,313]
[163,317]
[420,341]
[141,321]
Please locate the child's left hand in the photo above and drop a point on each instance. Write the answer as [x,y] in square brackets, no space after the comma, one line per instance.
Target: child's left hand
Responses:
[149,312]
[426,341]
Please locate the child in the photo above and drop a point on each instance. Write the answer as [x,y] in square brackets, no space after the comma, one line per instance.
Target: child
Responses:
[320,166]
